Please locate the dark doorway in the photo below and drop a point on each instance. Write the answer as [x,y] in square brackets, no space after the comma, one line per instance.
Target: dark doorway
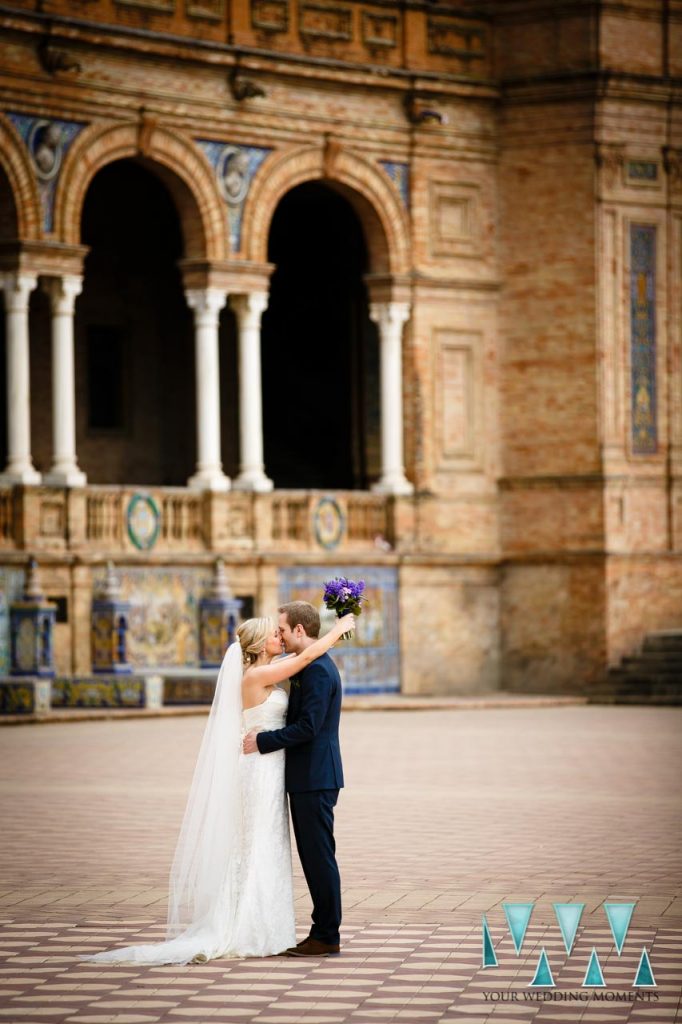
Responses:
[320,351]
[135,380]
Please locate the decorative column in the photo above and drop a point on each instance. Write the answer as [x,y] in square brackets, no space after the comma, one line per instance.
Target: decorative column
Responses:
[248,310]
[390,317]
[207,303]
[32,620]
[20,470]
[64,472]
[218,619]
[109,627]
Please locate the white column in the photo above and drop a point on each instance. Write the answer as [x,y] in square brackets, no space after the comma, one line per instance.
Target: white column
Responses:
[248,310]
[207,303]
[64,472]
[20,470]
[390,317]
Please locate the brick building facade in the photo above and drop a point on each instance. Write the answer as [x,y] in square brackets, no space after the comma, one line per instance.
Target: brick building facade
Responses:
[391,288]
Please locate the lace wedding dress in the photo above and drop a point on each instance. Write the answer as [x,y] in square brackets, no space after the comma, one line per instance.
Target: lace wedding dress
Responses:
[231,890]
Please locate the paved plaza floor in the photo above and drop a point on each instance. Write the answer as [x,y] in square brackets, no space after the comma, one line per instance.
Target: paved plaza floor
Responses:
[446,814]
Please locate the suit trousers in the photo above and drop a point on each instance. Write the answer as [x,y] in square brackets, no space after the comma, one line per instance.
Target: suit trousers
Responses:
[312,815]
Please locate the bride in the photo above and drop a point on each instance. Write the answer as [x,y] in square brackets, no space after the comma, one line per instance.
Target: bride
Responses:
[230,891]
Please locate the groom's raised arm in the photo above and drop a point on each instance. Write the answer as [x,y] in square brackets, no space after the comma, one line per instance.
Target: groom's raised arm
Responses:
[315,697]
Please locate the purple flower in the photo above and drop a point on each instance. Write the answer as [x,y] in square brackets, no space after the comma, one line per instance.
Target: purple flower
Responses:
[343,595]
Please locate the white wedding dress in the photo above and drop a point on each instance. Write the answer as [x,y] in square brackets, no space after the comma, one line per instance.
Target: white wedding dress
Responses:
[231,889]
[265,918]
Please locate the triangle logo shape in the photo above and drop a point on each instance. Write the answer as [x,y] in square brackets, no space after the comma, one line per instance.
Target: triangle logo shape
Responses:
[593,975]
[518,916]
[489,955]
[619,916]
[568,915]
[644,977]
[543,972]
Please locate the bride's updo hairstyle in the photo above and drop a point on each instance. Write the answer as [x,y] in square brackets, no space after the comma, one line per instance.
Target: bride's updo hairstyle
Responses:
[252,635]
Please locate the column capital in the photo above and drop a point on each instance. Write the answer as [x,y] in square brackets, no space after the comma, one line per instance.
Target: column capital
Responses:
[17,287]
[389,314]
[249,306]
[206,303]
[63,292]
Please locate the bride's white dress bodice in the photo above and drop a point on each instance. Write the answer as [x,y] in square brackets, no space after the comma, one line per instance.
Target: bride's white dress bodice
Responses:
[269,714]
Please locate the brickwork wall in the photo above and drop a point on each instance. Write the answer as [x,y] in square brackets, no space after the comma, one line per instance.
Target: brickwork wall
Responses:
[508,235]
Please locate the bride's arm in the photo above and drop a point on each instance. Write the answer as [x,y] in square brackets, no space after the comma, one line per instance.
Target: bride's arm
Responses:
[284,668]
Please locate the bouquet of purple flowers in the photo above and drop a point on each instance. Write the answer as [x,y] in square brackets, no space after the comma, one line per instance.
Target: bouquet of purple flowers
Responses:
[343,596]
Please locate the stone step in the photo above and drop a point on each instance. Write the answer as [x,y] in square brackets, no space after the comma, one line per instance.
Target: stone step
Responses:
[638,690]
[664,640]
[640,667]
[648,683]
[653,676]
[656,658]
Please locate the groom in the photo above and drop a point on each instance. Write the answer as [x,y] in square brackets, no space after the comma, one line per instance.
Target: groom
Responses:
[313,773]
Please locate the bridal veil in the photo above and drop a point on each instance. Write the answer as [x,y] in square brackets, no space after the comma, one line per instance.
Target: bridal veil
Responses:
[204,879]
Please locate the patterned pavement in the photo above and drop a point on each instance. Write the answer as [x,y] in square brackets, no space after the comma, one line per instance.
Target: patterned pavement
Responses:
[445,816]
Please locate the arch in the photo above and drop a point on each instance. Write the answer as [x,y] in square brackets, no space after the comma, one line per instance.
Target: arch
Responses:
[172,156]
[367,188]
[16,163]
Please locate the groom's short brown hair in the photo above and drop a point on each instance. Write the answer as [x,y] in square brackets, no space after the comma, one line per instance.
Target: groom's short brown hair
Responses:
[302,613]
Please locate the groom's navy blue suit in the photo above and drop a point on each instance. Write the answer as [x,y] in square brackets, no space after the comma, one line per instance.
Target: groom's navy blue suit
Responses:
[313,776]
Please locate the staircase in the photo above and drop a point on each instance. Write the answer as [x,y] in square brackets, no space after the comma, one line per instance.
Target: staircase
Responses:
[654,676]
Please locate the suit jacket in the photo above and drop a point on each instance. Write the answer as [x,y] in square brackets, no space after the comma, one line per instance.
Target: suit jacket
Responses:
[311,733]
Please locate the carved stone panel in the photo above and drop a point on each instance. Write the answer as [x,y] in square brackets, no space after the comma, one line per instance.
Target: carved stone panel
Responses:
[214,10]
[270,15]
[456,396]
[167,6]
[328,22]
[454,219]
[379,31]
[464,43]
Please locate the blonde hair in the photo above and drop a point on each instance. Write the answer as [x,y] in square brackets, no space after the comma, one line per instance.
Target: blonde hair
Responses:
[252,635]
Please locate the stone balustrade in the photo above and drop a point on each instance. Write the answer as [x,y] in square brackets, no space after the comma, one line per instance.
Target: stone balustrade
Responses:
[116,520]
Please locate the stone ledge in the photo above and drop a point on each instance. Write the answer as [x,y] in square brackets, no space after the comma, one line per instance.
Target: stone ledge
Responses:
[383,702]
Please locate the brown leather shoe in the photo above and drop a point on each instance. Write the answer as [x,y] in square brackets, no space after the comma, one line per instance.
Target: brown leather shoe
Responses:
[285,952]
[313,947]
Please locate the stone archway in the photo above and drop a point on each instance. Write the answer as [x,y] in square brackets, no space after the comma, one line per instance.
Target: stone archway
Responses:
[384,223]
[321,431]
[173,157]
[15,162]
[366,187]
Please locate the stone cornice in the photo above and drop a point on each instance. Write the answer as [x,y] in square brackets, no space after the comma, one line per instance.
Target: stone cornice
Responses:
[82,32]
[570,87]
